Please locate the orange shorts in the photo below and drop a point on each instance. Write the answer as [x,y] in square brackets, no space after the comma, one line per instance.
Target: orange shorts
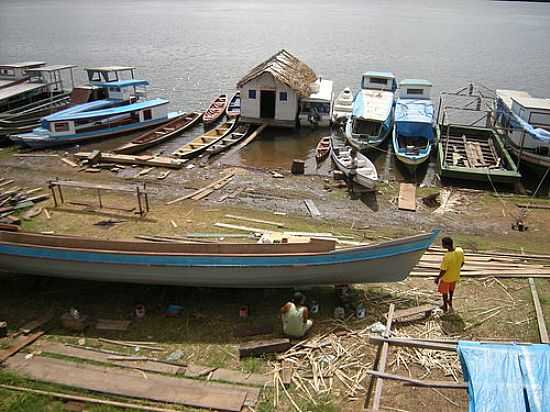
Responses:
[446,287]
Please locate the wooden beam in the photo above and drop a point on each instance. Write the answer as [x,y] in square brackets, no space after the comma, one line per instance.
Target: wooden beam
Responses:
[264,346]
[249,219]
[540,315]
[312,209]
[199,191]
[379,383]
[87,399]
[534,206]
[412,342]
[407,197]
[19,344]
[418,382]
[248,140]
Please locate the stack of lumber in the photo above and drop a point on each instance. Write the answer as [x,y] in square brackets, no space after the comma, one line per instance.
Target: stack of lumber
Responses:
[485,264]
[14,198]
[145,160]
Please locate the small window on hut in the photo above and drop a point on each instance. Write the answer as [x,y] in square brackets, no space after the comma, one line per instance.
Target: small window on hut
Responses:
[417,92]
[147,115]
[283,96]
[252,94]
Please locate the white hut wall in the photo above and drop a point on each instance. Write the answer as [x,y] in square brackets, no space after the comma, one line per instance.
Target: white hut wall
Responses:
[284,110]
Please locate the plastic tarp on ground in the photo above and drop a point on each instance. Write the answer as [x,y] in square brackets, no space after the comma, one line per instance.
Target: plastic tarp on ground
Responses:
[413,118]
[506,377]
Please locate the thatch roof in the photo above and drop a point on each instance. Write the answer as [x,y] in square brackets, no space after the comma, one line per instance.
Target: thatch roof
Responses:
[287,69]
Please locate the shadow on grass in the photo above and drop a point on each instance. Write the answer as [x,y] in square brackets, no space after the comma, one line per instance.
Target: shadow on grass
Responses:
[209,315]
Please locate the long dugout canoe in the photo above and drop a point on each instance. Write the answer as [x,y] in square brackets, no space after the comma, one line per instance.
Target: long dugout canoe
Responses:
[211,265]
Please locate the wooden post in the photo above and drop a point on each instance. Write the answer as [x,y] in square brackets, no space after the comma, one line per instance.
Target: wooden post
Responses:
[538,309]
[52,188]
[379,383]
[140,208]
[99,198]
[61,198]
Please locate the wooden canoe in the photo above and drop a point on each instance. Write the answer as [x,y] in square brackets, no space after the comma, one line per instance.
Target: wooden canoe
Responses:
[205,140]
[160,134]
[238,134]
[323,149]
[315,262]
[234,106]
[215,110]
[365,173]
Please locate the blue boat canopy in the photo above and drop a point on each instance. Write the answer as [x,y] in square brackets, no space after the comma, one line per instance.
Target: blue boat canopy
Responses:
[506,377]
[414,118]
[415,82]
[57,117]
[387,75]
[124,83]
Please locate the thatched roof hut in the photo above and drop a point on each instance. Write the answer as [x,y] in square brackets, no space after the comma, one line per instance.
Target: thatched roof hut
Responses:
[286,68]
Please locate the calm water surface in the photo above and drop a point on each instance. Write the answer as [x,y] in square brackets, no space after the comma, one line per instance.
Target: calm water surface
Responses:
[191,50]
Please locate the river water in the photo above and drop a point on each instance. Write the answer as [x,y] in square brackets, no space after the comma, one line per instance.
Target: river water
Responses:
[192,50]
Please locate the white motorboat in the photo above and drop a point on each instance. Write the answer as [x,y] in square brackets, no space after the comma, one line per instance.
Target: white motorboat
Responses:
[343,106]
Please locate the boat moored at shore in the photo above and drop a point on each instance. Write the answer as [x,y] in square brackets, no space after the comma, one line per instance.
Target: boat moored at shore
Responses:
[356,166]
[414,131]
[120,113]
[315,109]
[525,121]
[373,111]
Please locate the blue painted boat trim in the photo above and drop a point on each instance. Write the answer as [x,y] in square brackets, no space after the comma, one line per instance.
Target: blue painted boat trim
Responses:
[333,258]
[56,117]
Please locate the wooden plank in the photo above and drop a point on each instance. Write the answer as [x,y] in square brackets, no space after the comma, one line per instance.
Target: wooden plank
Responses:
[35,324]
[249,219]
[125,382]
[157,161]
[407,197]
[198,191]
[532,206]
[379,384]
[206,193]
[241,378]
[110,324]
[418,382]
[87,399]
[414,343]
[399,315]
[264,346]
[19,344]
[540,315]
[519,274]
[312,209]
[69,162]
[243,228]
[147,364]
[248,140]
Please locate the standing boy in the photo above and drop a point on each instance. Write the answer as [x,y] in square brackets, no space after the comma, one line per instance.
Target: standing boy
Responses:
[449,273]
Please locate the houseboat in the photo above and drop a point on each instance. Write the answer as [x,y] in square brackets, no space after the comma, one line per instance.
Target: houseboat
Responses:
[414,131]
[122,112]
[271,93]
[315,109]
[372,113]
[525,121]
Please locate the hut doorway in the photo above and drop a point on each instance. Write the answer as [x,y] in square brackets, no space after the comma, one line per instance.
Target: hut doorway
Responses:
[267,104]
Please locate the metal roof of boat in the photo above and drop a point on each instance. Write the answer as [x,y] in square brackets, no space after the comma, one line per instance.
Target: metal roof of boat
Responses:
[414,110]
[532,102]
[53,68]
[22,65]
[124,83]
[18,88]
[107,112]
[373,104]
[386,75]
[87,107]
[110,68]
[415,82]
[506,95]
[324,90]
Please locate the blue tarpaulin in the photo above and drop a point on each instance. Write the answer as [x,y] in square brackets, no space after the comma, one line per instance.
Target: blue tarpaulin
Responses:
[506,377]
[413,118]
